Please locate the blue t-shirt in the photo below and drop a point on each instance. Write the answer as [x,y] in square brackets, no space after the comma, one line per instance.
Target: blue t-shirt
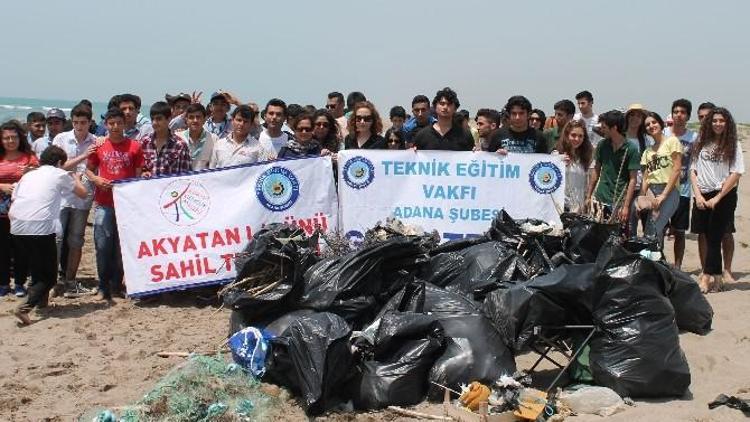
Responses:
[687,139]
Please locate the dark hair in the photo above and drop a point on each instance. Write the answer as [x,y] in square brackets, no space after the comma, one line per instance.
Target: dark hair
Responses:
[35,116]
[112,113]
[337,95]
[683,103]
[726,143]
[707,105]
[586,95]
[309,109]
[52,155]
[463,115]
[398,111]
[613,118]
[654,115]
[586,149]
[566,106]
[331,140]
[377,124]
[541,114]
[353,98]
[130,98]
[114,102]
[81,110]
[419,99]
[23,143]
[275,102]
[489,114]
[160,108]
[518,101]
[87,103]
[641,134]
[400,135]
[446,94]
[196,108]
[303,116]
[293,110]
[245,112]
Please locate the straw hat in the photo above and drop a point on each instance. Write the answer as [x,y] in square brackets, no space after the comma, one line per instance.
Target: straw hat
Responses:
[635,107]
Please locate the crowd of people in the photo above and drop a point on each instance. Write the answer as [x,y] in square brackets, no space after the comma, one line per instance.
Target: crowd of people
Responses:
[629,168]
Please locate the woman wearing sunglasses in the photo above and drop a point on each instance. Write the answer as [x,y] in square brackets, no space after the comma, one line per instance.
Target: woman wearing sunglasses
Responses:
[302,144]
[326,131]
[365,128]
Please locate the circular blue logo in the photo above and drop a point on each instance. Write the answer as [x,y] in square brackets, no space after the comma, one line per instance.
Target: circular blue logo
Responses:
[277,189]
[355,238]
[358,172]
[545,177]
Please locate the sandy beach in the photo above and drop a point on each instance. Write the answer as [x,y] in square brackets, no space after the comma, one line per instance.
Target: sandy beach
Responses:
[83,354]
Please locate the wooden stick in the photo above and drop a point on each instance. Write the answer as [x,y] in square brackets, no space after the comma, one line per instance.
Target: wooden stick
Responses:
[414,414]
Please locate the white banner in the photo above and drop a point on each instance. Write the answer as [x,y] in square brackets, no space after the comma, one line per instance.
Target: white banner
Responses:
[183,231]
[456,193]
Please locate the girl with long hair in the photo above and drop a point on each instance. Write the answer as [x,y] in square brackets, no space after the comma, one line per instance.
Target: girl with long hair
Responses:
[578,153]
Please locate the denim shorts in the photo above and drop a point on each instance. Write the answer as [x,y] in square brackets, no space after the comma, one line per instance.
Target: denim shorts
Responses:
[73,223]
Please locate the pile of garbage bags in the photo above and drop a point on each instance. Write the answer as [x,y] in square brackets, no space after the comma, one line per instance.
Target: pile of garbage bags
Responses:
[387,323]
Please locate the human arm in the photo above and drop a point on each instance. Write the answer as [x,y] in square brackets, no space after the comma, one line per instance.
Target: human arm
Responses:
[98,181]
[79,189]
[625,208]
[593,179]
[729,184]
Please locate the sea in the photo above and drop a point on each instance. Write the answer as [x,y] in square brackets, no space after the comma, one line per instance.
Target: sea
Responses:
[18,108]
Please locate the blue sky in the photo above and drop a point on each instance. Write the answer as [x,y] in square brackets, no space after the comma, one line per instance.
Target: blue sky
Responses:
[650,52]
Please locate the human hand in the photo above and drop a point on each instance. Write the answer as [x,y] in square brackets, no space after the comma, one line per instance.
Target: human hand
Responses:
[623,215]
[700,202]
[7,189]
[711,203]
[658,201]
[102,183]
[196,97]
[502,151]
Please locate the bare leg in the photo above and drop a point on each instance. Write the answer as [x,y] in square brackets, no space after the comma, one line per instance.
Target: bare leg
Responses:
[727,248]
[679,248]
[702,250]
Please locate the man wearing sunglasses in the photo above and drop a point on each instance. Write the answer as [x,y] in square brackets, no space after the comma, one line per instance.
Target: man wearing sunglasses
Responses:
[444,134]
[335,106]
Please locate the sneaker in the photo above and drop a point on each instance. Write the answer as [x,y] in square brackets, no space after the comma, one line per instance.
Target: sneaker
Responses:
[4,290]
[76,290]
[19,291]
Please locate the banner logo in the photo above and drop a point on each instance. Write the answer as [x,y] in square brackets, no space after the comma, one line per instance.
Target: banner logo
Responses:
[545,177]
[277,189]
[358,172]
[184,202]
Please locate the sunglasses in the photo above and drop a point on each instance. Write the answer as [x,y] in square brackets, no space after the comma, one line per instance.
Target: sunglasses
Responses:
[304,129]
[536,119]
[330,106]
[321,124]
[363,118]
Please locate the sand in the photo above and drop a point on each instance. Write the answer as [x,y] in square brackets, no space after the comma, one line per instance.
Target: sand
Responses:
[83,354]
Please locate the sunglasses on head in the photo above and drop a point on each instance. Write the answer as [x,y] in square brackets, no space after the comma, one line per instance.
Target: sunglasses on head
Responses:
[363,118]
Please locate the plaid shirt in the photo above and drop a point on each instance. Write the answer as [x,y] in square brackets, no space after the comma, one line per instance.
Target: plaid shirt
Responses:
[173,158]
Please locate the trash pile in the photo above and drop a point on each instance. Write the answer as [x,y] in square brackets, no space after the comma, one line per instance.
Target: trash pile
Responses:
[402,317]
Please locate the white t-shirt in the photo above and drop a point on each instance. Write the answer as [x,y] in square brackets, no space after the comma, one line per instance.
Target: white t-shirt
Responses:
[36,201]
[67,141]
[273,144]
[591,123]
[40,145]
[200,150]
[711,171]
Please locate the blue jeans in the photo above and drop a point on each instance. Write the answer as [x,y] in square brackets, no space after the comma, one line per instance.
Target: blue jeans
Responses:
[108,256]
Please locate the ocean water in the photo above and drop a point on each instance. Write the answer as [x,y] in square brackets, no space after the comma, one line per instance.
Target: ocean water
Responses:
[18,108]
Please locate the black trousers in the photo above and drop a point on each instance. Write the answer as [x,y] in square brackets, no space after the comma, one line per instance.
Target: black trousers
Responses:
[714,223]
[9,253]
[43,252]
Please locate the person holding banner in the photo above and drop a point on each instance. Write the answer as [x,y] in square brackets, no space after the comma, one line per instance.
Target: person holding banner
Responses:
[34,219]
[302,144]
[239,147]
[117,158]
[200,141]
[364,127]
[446,133]
[577,153]
[326,131]
[163,151]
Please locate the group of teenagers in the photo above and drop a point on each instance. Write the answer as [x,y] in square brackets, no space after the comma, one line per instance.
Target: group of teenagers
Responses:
[629,168]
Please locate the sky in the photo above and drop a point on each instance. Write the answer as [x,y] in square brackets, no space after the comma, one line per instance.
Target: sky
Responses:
[649,52]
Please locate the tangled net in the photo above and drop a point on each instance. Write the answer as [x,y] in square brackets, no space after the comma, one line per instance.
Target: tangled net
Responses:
[204,388]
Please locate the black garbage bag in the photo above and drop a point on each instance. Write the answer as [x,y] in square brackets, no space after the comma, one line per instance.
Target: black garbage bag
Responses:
[284,253]
[405,350]
[587,237]
[637,351]
[692,311]
[504,229]
[365,272]
[313,358]
[475,348]
[274,323]
[475,267]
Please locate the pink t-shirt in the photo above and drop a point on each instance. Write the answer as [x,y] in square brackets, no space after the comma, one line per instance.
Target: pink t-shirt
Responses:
[11,172]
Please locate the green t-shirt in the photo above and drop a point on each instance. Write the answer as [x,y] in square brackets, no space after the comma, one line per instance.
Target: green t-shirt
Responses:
[551,135]
[615,170]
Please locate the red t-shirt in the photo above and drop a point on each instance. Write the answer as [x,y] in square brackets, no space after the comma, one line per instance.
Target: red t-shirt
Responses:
[115,162]
[11,172]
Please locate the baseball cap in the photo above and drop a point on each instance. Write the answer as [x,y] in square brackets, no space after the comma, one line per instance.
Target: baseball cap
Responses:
[218,94]
[55,113]
[181,96]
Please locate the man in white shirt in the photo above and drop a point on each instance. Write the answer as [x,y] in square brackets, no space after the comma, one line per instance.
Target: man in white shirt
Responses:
[78,144]
[585,102]
[200,141]
[33,215]
[272,137]
[239,147]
